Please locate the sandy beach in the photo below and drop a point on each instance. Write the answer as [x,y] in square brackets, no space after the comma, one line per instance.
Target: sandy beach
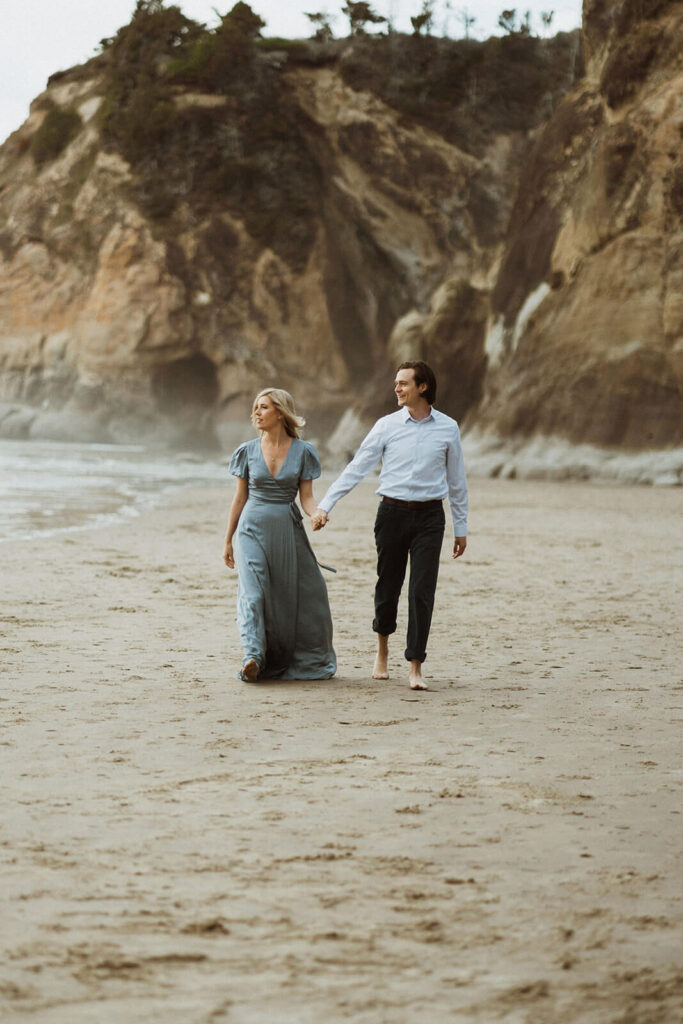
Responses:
[180,847]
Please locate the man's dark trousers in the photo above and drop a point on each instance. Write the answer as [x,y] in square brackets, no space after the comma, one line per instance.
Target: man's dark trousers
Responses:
[401,532]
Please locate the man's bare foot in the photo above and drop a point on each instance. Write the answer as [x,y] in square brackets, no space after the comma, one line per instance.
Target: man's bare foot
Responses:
[250,670]
[380,669]
[415,677]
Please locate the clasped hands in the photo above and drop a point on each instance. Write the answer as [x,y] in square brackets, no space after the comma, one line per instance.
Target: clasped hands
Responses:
[319,519]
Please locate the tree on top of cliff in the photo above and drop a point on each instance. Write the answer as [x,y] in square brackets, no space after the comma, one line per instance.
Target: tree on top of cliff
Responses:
[245,156]
[359,14]
[323,28]
[223,59]
[508,22]
[243,21]
[135,107]
[153,31]
[547,18]
[425,19]
[138,112]
[466,19]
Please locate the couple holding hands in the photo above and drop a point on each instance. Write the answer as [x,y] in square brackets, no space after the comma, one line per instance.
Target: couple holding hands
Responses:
[283,612]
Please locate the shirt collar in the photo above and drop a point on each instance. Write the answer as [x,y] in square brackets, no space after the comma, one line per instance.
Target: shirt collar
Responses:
[405,412]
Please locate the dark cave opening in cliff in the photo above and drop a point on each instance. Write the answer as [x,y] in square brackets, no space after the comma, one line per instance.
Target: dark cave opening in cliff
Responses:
[190,381]
[187,389]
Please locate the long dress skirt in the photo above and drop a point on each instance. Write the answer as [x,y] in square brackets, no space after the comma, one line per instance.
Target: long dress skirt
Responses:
[283,611]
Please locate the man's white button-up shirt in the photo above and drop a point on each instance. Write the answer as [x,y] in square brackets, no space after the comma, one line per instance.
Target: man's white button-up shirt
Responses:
[421,460]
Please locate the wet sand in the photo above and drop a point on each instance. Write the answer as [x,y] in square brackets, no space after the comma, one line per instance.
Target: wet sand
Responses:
[180,847]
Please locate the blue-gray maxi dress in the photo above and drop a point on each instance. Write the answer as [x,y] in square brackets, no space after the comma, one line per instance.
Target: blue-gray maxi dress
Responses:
[283,612]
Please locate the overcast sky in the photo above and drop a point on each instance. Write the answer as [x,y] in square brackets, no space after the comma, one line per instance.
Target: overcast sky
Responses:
[40,37]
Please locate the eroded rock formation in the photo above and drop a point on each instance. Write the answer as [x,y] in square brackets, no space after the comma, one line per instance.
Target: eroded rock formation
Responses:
[587,340]
[533,258]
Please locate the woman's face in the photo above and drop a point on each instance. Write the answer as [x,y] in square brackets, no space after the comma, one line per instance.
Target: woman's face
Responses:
[266,415]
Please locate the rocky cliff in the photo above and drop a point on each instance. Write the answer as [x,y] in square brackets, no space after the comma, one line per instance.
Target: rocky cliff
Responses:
[587,334]
[192,216]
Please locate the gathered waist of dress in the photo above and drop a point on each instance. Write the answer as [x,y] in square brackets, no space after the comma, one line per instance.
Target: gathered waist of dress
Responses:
[266,502]
[270,499]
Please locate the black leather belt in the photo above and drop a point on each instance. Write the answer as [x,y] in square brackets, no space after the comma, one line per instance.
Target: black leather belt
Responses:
[420,506]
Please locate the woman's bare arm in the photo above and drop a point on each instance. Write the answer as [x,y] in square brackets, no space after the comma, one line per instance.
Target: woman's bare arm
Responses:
[306,497]
[238,503]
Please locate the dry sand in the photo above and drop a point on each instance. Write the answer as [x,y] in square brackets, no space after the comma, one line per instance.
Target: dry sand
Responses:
[179,847]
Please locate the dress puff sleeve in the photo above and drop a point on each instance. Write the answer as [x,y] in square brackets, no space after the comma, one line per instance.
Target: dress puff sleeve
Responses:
[239,463]
[310,467]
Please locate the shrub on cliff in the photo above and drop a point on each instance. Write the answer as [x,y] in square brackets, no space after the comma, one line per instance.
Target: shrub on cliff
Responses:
[222,59]
[247,156]
[137,113]
[59,127]
[465,89]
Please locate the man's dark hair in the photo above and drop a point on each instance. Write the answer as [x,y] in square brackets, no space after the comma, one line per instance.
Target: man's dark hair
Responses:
[423,375]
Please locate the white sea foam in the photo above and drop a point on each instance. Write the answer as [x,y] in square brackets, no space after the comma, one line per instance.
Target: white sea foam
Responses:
[51,487]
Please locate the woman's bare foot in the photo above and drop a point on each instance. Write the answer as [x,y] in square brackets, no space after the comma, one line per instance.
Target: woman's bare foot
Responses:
[250,670]
[415,677]
[381,670]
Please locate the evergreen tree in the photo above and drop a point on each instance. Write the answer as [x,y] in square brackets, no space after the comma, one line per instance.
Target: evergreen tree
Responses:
[359,14]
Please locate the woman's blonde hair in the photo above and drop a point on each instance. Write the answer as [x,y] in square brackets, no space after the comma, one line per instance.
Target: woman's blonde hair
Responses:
[284,403]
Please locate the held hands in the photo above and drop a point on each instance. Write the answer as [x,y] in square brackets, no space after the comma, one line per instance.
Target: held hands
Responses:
[319,519]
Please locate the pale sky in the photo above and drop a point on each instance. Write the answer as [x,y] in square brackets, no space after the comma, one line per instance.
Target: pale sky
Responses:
[40,37]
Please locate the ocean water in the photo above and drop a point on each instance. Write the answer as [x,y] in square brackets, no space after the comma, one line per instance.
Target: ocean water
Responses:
[51,487]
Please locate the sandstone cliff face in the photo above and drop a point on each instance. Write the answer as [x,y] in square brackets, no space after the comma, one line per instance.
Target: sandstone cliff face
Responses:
[535,264]
[146,332]
[586,339]
[100,315]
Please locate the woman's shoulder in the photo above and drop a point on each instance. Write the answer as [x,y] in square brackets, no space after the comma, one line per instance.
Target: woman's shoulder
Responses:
[247,446]
[307,446]
[239,459]
[310,460]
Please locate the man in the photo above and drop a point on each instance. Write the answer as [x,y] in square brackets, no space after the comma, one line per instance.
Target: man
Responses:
[422,464]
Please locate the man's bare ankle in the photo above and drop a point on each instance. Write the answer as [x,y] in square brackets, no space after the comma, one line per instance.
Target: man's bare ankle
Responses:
[380,669]
[415,676]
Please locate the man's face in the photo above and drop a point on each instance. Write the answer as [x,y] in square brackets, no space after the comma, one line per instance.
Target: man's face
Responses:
[406,390]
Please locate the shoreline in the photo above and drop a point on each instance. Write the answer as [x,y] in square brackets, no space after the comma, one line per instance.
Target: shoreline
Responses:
[545,458]
[181,847]
[36,492]
[54,487]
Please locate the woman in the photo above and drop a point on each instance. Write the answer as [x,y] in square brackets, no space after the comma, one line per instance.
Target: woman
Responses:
[283,612]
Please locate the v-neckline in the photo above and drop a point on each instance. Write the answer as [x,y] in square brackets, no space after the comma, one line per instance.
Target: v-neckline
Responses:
[282,464]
